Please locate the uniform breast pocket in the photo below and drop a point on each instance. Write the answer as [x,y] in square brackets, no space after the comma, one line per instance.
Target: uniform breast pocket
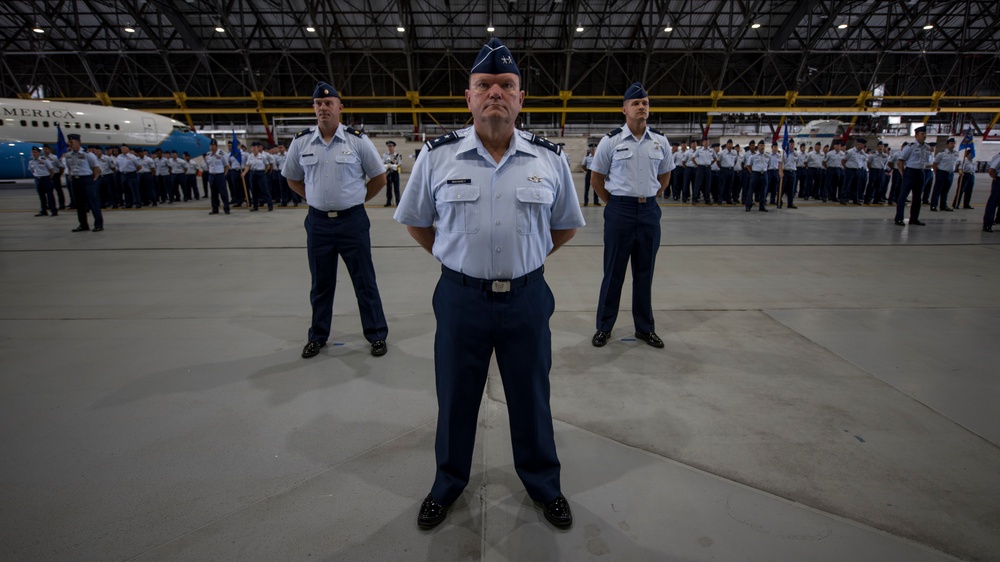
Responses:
[348,166]
[458,208]
[620,160]
[306,161]
[533,203]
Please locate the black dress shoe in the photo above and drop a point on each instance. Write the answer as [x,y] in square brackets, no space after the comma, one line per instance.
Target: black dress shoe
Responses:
[214,213]
[918,223]
[900,223]
[80,229]
[947,209]
[98,228]
[600,339]
[792,207]
[379,348]
[968,207]
[431,513]
[762,209]
[557,512]
[312,349]
[933,209]
[651,338]
[42,214]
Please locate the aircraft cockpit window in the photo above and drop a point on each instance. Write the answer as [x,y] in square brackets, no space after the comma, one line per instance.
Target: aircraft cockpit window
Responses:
[182,128]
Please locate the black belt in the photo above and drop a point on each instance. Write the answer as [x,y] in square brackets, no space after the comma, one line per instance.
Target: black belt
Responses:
[335,214]
[631,198]
[493,286]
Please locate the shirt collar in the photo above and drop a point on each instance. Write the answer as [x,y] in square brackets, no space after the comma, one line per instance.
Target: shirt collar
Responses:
[318,137]
[626,133]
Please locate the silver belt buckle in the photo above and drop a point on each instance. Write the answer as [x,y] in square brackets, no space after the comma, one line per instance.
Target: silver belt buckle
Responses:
[642,199]
[332,214]
[501,286]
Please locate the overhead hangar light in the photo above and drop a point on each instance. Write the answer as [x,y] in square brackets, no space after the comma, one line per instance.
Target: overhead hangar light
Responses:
[129,30]
[38,30]
[755,26]
[401,29]
[311,29]
[220,29]
[668,29]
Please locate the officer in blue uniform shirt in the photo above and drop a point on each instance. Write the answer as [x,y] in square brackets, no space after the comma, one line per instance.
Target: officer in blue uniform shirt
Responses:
[586,176]
[392,162]
[631,167]
[217,168]
[43,171]
[911,163]
[328,165]
[490,203]
[83,167]
[255,164]
[945,163]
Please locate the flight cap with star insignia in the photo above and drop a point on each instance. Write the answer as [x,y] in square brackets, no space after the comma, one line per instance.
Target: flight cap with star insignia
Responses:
[494,58]
[324,90]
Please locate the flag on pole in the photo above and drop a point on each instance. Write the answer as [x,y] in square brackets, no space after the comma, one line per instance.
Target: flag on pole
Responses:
[784,143]
[61,146]
[234,151]
[967,143]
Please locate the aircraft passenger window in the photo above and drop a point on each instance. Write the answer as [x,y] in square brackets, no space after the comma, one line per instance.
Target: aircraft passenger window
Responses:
[78,125]
[117,127]
[45,123]
[24,123]
[107,127]
[34,123]
[87,125]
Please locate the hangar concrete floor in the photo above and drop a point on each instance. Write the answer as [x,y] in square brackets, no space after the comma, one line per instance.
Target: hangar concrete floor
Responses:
[829,391]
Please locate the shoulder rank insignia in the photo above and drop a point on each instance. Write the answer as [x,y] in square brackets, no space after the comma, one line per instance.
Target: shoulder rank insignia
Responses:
[355,132]
[616,132]
[535,139]
[304,132]
[652,130]
[442,140]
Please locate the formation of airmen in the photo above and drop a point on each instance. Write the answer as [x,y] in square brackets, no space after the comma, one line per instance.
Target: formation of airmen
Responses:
[859,175]
[708,174]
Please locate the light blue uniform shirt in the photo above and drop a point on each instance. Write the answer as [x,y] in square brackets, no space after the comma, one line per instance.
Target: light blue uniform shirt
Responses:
[40,167]
[703,156]
[334,173]
[947,160]
[127,163]
[758,162]
[878,160]
[632,165]
[915,155]
[834,159]
[493,220]
[255,162]
[995,163]
[217,161]
[81,163]
[774,160]
[791,161]
[856,159]
[727,158]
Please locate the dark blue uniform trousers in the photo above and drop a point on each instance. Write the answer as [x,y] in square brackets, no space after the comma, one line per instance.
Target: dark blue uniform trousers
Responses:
[218,183]
[913,181]
[261,191]
[347,236]
[631,233]
[756,187]
[787,187]
[472,324]
[87,194]
[942,186]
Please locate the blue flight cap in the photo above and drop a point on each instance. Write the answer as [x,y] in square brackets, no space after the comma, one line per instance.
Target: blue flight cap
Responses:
[920,130]
[324,90]
[635,91]
[494,58]
[72,136]
[860,141]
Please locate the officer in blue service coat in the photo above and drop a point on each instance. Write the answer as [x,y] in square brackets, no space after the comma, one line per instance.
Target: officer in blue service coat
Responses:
[328,165]
[490,203]
[631,168]
[84,169]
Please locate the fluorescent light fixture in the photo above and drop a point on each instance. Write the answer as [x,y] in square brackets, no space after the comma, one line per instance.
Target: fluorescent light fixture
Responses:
[929,26]
[129,30]
[220,29]
[842,26]
[401,29]
[491,29]
[38,30]
[668,29]
[579,29]
[755,26]
[311,29]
